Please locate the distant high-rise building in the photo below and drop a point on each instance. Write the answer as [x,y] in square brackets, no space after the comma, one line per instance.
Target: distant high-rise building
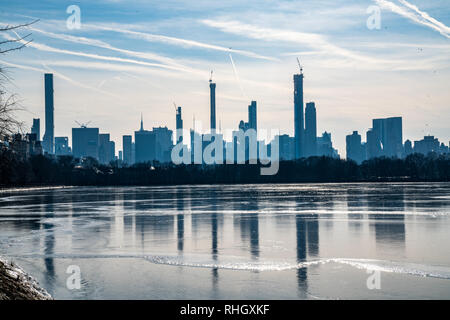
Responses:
[127,149]
[444,149]
[388,133]
[154,145]
[212,92]
[49,136]
[112,150]
[179,126]
[373,144]
[354,148]
[252,122]
[106,148]
[286,147]
[144,146]
[163,144]
[62,146]
[298,115]
[196,137]
[120,155]
[426,145]
[85,142]
[36,129]
[310,130]
[408,148]
[325,146]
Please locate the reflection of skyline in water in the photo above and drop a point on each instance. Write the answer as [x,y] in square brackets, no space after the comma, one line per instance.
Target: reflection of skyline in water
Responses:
[217,221]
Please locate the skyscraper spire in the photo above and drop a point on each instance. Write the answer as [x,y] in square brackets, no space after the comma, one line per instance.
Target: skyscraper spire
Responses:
[142,123]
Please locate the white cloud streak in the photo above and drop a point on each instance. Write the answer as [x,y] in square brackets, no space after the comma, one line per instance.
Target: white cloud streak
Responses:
[413,13]
[177,41]
[47,48]
[59,75]
[102,44]
[237,78]
[313,40]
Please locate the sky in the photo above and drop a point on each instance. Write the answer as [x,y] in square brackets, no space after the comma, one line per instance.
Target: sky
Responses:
[136,56]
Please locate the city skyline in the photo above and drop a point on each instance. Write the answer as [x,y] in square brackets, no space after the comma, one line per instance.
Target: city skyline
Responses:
[399,70]
[383,139]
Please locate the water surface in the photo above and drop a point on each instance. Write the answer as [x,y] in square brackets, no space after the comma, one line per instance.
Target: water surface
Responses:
[299,241]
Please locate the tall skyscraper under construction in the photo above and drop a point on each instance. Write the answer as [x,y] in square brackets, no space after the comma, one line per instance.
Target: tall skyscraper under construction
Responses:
[298,114]
[179,124]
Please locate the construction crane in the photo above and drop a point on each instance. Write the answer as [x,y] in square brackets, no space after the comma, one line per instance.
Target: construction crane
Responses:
[300,66]
[175,105]
[83,125]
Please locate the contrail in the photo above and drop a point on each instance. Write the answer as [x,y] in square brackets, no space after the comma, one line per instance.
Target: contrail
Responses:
[47,48]
[178,41]
[237,77]
[413,13]
[59,75]
[102,44]
[427,17]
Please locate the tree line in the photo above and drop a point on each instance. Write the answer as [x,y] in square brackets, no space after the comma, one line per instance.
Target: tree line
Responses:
[66,170]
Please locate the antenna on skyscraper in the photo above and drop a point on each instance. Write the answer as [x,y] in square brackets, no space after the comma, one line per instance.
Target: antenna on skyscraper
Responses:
[300,66]
[83,125]
[210,78]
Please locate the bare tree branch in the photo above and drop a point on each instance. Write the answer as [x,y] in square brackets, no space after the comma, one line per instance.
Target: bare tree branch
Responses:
[9,106]
[16,48]
[8,27]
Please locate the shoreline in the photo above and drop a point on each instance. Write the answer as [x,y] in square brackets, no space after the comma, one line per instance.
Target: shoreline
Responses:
[16,284]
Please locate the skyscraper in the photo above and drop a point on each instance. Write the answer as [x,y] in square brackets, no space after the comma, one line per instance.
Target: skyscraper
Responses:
[252,123]
[373,144]
[354,148]
[106,148]
[388,133]
[62,146]
[144,146]
[36,129]
[49,111]
[298,115]
[85,142]
[212,92]
[179,125]
[310,130]
[127,149]
[163,144]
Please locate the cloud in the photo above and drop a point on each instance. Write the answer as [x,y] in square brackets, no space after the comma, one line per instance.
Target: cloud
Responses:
[413,13]
[312,40]
[59,75]
[177,41]
[102,44]
[47,48]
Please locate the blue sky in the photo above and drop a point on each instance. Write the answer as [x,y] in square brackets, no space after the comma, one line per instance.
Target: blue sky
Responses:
[137,56]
